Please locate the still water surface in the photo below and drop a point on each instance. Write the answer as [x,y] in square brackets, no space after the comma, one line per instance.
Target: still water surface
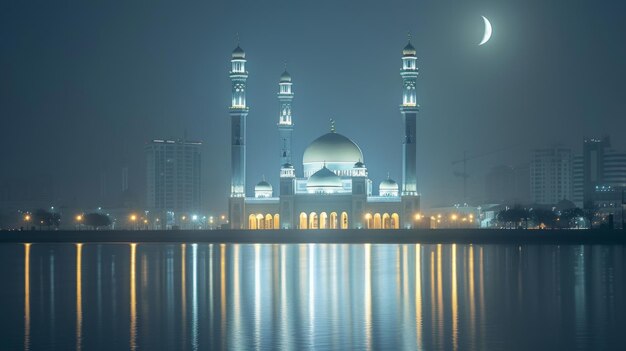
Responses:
[311,296]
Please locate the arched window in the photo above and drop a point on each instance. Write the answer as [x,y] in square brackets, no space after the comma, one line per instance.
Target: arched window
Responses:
[269,222]
[252,222]
[333,220]
[313,221]
[377,221]
[259,221]
[276,221]
[395,221]
[323,220]
[344,220]
[303,221]
[386,221]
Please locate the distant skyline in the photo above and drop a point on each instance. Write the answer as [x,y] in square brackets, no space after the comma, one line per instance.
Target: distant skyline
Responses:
[85,86]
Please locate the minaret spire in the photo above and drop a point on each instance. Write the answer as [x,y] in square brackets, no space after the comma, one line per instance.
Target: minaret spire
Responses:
[285,124]
[238,114]
[409,109]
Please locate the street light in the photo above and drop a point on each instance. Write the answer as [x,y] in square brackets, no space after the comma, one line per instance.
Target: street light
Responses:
[79,219]
[27,219]
[133,219]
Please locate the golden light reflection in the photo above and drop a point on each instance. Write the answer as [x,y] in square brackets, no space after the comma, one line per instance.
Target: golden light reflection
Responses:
[368,296]
[79,296]
[183,286]
[283,296]
[311,267]
[439,295]
[236,307]
[194,296]
[472,301]
[133,297]
[405,293]
[257,294]
[418,295]
[223,293]
[432,288]
[27,296]
[454,302]
[481,282]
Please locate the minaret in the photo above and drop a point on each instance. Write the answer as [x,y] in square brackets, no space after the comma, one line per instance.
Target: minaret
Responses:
[238,113]
[409,109]
[285,126]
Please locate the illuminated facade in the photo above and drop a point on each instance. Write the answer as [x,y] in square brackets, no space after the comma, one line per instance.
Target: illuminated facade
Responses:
[334,191]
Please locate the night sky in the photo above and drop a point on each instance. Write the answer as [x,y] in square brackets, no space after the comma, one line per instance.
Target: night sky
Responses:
[83,85]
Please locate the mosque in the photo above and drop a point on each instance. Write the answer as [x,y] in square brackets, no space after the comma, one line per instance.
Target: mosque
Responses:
[332,190]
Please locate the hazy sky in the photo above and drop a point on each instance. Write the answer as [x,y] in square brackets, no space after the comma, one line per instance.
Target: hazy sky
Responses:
[84,85]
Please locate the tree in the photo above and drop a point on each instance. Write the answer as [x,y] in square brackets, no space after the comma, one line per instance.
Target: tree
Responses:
[546,217]
[513,216]
[569,217]
[42,218]
[589,216]
[96,220]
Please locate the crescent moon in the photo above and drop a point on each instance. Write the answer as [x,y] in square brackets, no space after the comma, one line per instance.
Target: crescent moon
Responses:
[488,31]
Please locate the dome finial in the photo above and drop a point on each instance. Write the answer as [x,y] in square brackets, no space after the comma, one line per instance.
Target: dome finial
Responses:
[237,38]
[408,36]
[387,175]
[332,125]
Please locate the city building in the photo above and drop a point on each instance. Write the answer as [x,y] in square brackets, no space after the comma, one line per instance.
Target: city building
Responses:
[593,167]
[332,189]
[603,167]
[577,180]
[551,175]
[173,171]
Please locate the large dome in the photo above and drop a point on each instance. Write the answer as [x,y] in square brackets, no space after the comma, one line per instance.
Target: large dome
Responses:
[332,147]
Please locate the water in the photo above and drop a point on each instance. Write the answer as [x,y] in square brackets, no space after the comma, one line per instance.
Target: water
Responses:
[311,296]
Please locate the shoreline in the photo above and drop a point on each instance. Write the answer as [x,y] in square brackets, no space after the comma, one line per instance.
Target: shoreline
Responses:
[322,236]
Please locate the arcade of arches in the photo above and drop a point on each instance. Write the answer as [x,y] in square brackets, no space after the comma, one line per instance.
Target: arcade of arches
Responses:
[325,220]
[384,221]
[259,221]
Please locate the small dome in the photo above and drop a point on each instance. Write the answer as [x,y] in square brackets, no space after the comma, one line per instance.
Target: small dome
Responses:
[359,165]
[238,53]
[285,77]
[287,165]
[388,187]
[263,185]
[324,178]
[388,184]
[409,50]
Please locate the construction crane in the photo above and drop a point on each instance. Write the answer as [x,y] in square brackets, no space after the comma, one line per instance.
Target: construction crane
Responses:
[464,175]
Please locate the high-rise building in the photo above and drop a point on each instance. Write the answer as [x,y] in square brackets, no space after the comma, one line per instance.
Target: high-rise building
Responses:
[551,175]
[577,180]
[593,167]
[173,175]
[614,168]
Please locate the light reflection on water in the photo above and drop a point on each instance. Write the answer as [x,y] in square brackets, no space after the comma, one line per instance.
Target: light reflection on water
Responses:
[312,296]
